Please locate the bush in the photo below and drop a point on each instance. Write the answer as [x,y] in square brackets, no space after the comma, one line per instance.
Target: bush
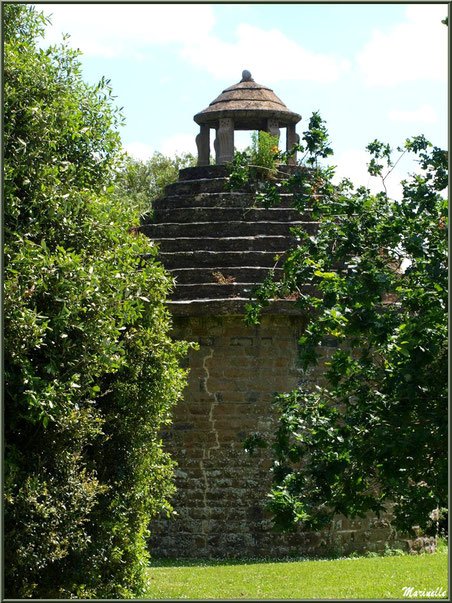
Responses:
[141,182]
[371,284]
[91,372]
[264,154]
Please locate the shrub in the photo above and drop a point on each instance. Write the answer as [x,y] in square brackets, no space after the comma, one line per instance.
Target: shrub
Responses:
[264,154]
[141,182]
[371,284]
[91,372]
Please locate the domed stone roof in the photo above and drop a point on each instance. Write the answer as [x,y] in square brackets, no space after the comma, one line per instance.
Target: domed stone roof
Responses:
[249,104]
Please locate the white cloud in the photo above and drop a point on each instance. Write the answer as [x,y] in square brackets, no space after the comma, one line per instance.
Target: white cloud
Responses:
[268,54]
[175,145]
[112,30]
[123,29]
[178,144]
[139,150]
[425,114]
[352,164]
[411,51]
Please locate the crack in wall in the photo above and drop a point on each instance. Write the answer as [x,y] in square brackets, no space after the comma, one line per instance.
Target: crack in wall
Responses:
[208,449]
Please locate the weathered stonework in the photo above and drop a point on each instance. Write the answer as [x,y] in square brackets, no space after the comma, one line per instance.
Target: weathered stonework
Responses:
[219,245]
[221,490]
[244,106]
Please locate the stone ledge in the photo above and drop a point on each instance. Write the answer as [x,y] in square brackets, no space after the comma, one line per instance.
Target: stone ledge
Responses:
[222,171]
[217,259]
[260,242]
[229,306]
[235,290]
[204,171]
[221,199]
[184,215]
[239,274]
[210,229]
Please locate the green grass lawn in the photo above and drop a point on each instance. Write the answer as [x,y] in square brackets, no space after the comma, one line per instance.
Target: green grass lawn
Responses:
[360,578]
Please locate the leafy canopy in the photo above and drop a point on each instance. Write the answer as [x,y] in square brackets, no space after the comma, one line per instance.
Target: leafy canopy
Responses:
[141,182]
[91,372]
[371,284]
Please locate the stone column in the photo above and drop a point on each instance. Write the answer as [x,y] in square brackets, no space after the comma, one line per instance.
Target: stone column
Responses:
[292,138]
[216,148]
[225,141]
[273,127]
[203,144]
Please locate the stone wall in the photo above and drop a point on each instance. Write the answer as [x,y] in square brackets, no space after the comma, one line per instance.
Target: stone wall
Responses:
[219,244]
[221,489]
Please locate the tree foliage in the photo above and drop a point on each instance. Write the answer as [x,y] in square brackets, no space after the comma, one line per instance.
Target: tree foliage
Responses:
[91,372]
[141,182]
[263,154]
[372,286]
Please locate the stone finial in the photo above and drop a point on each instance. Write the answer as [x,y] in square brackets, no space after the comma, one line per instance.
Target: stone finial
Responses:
[246,76]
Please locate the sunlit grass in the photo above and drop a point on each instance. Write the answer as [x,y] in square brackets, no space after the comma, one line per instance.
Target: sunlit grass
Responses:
[358,578]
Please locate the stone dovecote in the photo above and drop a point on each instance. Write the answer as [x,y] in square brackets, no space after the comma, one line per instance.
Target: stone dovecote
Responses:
[218,245]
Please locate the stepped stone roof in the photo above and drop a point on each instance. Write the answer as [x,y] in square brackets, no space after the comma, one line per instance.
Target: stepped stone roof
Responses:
[248,103]
[218,244]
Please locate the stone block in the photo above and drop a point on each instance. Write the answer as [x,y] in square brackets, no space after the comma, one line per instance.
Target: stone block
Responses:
[242,341]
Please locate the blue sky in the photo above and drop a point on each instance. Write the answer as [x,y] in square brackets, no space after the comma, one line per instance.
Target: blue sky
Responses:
[371,70]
